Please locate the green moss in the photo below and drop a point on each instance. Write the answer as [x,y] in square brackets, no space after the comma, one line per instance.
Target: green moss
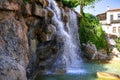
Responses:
[70,3]
[117,40]
[25,0]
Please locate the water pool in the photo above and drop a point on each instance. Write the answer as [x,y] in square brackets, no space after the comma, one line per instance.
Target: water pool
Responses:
[88,71]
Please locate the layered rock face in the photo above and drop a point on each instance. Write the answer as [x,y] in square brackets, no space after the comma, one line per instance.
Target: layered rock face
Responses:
[30,38]
[50,31]
[14,49]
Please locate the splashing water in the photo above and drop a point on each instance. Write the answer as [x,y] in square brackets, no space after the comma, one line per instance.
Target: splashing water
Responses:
[70,37]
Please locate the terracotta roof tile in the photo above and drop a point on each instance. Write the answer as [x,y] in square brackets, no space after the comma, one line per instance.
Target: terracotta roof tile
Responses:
[101,16]
[113,10]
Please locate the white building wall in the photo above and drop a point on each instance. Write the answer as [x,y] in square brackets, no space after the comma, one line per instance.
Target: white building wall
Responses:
[115,16]
[105,28]
[109,28]
[108,17]
[117,26]
[103,22]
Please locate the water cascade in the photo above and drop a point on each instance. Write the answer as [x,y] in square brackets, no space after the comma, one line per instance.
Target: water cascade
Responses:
[69,35]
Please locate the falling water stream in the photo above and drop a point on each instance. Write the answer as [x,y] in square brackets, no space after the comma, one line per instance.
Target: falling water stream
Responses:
[69,35]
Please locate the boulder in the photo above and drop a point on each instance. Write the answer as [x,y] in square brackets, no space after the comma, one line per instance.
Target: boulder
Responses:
[90,52]
[37,10]
[116,52]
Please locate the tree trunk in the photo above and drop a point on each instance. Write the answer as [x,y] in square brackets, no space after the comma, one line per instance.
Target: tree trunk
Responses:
[81,10]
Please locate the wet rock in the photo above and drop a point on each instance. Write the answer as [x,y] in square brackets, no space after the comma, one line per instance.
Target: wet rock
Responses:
[60,5]
[43,2]
[49,13]
[38,10]
[46,53]
[65,18]
[66,9]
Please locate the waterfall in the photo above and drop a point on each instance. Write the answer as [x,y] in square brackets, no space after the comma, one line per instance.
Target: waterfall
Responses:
[71,49]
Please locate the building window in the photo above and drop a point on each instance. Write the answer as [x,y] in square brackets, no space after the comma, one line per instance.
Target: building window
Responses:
[111,17]
[119,29]
[118,16]
[114,29]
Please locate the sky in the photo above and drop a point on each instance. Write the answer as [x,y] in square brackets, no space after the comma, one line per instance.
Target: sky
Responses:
[101,6]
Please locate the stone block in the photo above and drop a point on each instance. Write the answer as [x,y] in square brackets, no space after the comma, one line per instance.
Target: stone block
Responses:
[6,5]
[38,10]
[27,9]
[43,2]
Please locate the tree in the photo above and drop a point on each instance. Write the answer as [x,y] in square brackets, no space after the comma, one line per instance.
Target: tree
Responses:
[70,3]
[90,30]
[82,3]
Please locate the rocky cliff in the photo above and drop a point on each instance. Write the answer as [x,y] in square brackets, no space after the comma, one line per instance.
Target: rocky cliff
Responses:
[30,38]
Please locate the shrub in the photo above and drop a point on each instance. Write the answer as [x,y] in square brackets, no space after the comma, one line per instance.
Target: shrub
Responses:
[91,31]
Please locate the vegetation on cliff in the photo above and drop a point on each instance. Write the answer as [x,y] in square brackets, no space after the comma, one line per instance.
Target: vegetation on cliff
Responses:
[117,40]
[82,3]
[91,31]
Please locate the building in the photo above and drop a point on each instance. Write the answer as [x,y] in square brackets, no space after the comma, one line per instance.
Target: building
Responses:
[110,21]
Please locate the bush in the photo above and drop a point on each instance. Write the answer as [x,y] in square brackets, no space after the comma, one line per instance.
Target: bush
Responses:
[117,40]
[70,3]
[91,31]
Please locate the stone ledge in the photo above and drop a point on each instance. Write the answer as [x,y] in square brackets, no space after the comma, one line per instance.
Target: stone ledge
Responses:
[27,9]
[36,10]
[44,3]
[9,6]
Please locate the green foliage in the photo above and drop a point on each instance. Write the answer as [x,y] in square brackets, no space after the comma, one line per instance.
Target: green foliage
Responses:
[74,3]
[90,31]
[82,3]
[117,40]
[70,3]
[25,0]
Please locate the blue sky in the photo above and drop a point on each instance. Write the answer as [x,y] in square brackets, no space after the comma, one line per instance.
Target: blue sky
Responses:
[101,7]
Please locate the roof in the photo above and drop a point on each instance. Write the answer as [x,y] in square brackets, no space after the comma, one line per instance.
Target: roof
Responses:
[113,10]
[101,16]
